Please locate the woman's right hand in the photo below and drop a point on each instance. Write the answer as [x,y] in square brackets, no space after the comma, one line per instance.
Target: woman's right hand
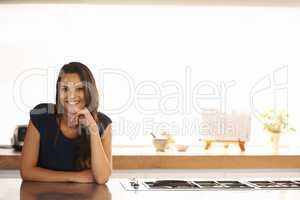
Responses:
[84,176]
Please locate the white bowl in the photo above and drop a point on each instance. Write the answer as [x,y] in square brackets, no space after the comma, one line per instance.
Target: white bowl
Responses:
[181,147]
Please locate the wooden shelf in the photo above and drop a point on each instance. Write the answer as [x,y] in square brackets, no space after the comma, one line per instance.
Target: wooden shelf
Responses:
[194,158]
[272,3]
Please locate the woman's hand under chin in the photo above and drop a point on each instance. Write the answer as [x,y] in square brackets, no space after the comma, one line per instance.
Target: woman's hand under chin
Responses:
[85,117]
[82,117]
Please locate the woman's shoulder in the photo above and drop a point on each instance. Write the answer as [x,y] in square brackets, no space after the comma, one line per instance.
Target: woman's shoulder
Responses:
[104,122]
[43,109]
[41,115]
[104,119]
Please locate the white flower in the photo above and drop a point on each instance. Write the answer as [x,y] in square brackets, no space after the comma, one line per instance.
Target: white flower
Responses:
[275,122]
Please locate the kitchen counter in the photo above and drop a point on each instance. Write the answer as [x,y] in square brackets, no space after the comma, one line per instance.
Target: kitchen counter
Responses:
[14,189]
[194,158]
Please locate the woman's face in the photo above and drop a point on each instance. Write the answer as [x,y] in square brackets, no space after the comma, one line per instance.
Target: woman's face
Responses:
[71,92]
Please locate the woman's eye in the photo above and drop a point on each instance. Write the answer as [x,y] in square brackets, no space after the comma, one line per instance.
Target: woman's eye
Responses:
[64,89]
[80,89]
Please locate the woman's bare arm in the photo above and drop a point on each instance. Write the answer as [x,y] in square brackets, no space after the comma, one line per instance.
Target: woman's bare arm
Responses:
[101,156]
[29,159]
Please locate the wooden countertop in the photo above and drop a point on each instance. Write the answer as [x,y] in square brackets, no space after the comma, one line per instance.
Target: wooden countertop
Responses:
[262,3]
[194,158]
[14,189]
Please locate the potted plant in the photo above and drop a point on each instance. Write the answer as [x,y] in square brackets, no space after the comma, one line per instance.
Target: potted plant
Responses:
[276,122]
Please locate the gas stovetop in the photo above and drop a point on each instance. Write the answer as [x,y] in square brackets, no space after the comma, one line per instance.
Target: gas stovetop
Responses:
[135,184]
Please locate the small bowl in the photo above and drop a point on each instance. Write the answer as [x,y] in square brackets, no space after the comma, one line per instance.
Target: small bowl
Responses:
[181,147]
[160,144]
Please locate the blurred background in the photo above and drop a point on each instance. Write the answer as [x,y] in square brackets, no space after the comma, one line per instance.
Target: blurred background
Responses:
[156,66]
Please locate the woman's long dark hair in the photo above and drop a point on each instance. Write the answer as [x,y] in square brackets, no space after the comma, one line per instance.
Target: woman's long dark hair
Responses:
[91,96]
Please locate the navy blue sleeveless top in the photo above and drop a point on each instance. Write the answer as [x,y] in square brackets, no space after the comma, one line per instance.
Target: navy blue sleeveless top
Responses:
[58,152]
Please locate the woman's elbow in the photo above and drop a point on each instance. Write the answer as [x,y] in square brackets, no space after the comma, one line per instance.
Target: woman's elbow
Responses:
[25,174]
[103,179]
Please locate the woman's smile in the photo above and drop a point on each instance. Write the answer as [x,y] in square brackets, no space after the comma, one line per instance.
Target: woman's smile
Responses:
[72,102]
[73,106]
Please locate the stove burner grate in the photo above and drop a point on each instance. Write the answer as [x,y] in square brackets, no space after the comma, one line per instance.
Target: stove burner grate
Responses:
[171,184]
[276,184]
[209,185]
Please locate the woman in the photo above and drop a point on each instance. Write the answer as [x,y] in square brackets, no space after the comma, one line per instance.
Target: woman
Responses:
[69,141]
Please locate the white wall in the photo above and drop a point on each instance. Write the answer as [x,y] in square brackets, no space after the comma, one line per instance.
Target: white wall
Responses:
[143,47]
